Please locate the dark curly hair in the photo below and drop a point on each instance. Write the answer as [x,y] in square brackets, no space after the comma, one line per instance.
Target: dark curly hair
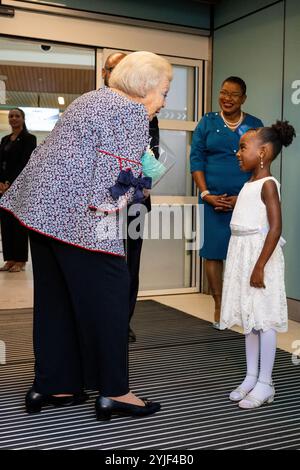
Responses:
[279,134]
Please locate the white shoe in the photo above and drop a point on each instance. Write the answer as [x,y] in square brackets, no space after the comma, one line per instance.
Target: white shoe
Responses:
[250,401]
[239,393]
[216,325]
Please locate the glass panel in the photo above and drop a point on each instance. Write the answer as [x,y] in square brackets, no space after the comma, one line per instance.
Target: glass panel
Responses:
[168,266]
[180,100]
[178,181]
[35,75]
[166,261]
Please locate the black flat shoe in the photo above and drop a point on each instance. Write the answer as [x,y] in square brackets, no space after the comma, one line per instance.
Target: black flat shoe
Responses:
[105,407]
[35,401]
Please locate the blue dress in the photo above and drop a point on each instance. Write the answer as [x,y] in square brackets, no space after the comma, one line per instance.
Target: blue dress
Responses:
[214,148]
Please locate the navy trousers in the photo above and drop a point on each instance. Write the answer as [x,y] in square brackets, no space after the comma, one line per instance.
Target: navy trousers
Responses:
[14,238]
[80,319]
[133,248]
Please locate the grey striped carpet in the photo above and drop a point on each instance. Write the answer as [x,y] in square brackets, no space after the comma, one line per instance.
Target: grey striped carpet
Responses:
[178,360]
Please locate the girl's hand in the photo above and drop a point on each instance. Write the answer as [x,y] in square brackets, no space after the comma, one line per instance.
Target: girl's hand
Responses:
[270,197]
[257,278]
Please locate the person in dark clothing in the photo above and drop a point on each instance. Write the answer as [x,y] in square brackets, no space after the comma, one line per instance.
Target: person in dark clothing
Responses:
[133,245]
[15,150]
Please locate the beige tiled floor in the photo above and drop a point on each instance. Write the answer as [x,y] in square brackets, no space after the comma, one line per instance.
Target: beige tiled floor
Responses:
[16,291]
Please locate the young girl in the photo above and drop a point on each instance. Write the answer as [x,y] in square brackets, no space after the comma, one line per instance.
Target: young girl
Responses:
[254,293]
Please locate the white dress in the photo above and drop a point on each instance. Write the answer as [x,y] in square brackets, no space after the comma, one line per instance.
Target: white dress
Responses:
[242,304]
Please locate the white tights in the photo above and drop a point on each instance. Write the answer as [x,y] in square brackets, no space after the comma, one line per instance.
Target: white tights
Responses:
[263,342]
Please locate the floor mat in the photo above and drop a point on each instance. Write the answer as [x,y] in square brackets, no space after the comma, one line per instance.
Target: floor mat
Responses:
[179,360]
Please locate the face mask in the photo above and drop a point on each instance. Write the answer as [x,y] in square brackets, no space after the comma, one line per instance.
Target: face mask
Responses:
[152,167]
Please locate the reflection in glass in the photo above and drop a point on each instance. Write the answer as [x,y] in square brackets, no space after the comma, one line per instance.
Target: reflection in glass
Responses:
[165,265]
[177,182]
[180,100]
[35,75]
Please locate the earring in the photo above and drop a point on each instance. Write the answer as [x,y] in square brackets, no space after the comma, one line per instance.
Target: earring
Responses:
[261,162]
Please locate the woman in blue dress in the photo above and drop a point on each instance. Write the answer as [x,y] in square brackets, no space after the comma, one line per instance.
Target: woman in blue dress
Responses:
[216,172]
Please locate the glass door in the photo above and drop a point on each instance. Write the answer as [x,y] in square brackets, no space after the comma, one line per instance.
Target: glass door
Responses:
[42,78]
[170,265]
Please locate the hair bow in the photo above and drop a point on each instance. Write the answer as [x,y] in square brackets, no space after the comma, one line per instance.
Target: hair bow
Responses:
[125,181]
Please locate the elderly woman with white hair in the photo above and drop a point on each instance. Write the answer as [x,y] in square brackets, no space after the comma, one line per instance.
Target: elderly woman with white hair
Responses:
[67,197]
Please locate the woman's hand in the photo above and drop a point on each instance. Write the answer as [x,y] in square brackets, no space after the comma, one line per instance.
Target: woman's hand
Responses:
[231,200]
[221,202]
[146,193]
[4,187]
[226,203]
[257,277]
[216,200]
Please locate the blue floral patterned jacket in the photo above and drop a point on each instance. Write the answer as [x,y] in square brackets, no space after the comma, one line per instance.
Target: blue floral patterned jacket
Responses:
[63,192]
